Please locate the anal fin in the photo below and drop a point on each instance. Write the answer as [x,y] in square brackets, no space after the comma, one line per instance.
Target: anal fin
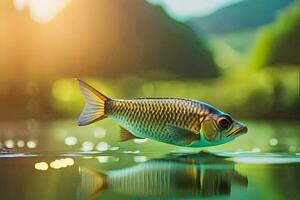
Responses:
[127,135]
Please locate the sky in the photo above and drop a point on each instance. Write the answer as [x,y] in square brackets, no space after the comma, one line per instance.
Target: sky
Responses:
[41,10]
[182,10]
[45,10]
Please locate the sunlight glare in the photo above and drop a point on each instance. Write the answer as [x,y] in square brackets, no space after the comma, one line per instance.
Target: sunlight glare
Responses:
[71,140]
[31,144]
[102,146]
[41,10]
[87,146]
[20,143]
[9,143]
[62,163]
[41,166]
[99,132]
[140,158]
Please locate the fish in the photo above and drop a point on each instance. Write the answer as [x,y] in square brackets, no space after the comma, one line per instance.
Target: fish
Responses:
[177,121]
[167,177]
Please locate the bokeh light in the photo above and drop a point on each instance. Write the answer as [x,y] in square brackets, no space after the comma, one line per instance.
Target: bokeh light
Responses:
[41,10]
[140,158]
[31,144]
[71,140]
[87,146]
[41,166]
[9,143]
[99,132]
[62,163]
[20,143]
[102,146]
[273,141]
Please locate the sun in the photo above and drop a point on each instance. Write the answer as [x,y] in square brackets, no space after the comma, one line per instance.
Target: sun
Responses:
[41,10]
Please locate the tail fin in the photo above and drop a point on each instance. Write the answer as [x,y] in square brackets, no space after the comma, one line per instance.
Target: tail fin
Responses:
[92,182]
[94,109]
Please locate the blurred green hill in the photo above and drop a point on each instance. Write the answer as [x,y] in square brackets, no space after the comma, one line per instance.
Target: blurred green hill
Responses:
[234,29]
[279,43]
[240,16]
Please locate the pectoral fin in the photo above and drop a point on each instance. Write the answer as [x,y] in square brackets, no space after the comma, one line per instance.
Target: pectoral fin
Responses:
[182,136]
[127,135]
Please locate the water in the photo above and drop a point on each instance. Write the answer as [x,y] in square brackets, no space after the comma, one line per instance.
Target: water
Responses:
[58,160]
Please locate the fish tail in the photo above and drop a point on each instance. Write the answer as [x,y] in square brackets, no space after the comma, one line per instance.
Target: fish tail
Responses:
[91,183]
[94,109]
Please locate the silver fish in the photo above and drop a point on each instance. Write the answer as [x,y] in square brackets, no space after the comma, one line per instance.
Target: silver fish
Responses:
[182,122]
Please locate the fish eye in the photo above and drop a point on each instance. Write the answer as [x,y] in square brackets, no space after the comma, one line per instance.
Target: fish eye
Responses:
[224,123]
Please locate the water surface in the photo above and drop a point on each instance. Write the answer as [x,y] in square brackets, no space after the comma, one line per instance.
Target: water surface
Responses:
[58,160]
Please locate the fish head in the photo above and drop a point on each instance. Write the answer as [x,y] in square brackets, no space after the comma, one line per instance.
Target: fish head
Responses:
[219,128]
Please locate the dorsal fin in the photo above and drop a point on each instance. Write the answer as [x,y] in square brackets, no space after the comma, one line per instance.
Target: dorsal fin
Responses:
[126,135]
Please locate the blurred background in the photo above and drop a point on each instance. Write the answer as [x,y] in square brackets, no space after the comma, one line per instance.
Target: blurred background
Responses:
[242,56]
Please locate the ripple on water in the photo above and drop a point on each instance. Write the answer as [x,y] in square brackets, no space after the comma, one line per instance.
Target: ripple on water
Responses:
[238,157]
[268,158]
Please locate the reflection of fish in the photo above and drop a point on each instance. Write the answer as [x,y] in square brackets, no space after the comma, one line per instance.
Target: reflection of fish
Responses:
[179,176]
[176,121]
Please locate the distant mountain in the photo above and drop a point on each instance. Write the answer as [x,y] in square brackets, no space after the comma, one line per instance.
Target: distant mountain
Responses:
[243,15]
[105,38]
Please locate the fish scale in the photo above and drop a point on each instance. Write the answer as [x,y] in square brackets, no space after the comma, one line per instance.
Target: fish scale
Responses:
[148,117]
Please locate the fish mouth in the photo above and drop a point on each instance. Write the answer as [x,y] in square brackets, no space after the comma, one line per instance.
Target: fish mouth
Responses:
[238,131]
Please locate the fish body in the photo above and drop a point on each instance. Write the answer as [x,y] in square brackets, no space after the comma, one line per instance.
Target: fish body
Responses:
[182,122]
[152,118]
